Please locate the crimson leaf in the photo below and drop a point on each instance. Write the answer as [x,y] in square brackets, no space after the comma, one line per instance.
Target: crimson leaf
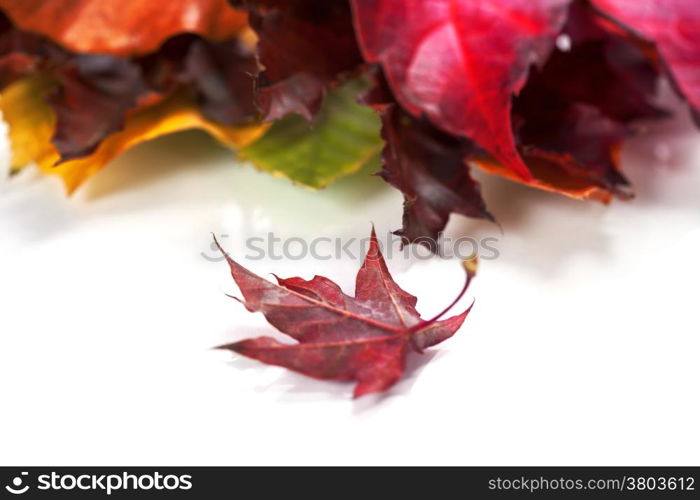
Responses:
[365,338]
[673,25]
[304,47]
[459,63]
[428,166]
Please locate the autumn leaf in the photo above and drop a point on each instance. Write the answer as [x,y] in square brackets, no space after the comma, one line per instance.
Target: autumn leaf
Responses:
[570,120]
[673,25]
[91,100]
[460,63]
[365,338]
[30,122]
[31,125]
[432,168]
[221,76]
[305,46]
[427,165]
[542,92]
[123,27]
[342,138]
[95,92]
[593,91]
[601,67]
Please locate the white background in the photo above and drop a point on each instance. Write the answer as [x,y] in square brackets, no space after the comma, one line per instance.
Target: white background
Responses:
[582,347]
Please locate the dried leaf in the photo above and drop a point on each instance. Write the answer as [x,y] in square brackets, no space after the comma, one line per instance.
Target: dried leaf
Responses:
[365,338]
[673,25]
[574,112]
[123,27]
[304,46]
[428,166]
[459,63]
[95,92]
[31,123]
[92,100]
[570,120]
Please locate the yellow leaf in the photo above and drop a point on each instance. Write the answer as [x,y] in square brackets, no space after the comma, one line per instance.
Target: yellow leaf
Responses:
[31,122]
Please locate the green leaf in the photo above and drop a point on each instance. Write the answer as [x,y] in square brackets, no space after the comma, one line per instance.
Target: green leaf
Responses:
[342,138]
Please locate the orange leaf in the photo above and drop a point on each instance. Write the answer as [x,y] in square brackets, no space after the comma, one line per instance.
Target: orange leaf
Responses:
[123,27]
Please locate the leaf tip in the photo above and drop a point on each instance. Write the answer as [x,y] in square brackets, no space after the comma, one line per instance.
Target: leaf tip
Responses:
[224,347]
[235,298]
[221,249]
[373,233]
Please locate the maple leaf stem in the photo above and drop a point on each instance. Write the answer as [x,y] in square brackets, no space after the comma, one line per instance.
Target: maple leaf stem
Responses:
[470,266]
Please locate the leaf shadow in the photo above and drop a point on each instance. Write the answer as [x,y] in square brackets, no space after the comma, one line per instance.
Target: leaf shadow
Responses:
[38,206]
[195,153]
[292,387]
[152,161]
[183,173]
[538,229]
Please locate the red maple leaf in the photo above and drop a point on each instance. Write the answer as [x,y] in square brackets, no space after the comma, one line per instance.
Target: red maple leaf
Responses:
[445,59]
[365,338]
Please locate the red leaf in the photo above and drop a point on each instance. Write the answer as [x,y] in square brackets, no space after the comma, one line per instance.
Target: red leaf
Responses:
[19,52]
[459,63]
[674,26]
[222,76]
[92,101]
[428,166]
[573,113]
[571,118]
[304,47]
[603,67]
[365,338]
